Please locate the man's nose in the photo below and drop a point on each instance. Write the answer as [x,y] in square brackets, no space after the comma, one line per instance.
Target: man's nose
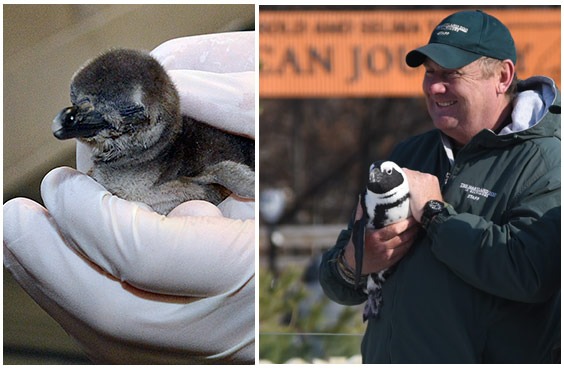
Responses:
[434,86]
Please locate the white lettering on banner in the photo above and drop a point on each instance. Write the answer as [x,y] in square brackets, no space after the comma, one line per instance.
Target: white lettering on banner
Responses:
[474,192]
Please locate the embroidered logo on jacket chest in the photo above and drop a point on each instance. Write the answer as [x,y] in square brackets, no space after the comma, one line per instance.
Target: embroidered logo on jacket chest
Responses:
[476,193]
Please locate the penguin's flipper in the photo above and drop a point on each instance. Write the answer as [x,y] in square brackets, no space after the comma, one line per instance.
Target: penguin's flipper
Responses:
[237,177]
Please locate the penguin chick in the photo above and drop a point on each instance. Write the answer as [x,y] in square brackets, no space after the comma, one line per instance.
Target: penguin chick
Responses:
[385,201]
[127,110]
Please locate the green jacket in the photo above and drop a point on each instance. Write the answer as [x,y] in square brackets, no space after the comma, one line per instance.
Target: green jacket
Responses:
[482,285]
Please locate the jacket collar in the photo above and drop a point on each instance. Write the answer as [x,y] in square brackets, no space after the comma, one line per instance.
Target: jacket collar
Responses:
[531,104]
[538,101]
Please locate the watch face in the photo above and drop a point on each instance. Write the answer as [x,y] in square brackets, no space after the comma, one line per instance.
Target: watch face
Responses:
[435,205]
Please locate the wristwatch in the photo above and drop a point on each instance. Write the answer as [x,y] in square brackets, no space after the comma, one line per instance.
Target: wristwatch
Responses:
[431,208]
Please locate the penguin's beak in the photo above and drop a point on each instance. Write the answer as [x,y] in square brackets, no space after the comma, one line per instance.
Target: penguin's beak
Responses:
[375,175]
[72,122]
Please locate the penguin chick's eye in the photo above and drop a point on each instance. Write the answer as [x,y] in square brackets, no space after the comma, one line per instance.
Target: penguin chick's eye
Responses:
[132,111]
[132,115]
[70,115]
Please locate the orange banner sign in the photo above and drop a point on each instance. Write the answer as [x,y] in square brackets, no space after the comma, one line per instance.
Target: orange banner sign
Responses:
[362,53]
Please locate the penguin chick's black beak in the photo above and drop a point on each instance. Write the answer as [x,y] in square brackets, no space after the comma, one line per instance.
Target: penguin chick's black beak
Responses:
[73,123]
[375,175]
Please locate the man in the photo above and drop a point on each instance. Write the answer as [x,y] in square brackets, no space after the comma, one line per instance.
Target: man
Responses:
[476,270]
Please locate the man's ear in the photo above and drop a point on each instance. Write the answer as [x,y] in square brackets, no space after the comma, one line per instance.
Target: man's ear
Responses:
[506,75]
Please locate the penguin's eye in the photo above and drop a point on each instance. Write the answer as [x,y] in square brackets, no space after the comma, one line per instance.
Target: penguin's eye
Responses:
[388,171]
[70,115]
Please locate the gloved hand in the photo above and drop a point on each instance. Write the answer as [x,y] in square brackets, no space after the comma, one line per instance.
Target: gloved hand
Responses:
[132,286]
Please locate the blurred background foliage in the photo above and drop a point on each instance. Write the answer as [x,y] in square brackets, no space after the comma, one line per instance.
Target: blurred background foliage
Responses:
[297,321]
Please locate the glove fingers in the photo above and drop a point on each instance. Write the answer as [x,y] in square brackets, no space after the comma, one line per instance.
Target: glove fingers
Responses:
[189,256]
[33,243]
[195,208]
[225,101]
[93,307]
[215,77]
[237,208]
[232,207]
[219,53]
[55,276]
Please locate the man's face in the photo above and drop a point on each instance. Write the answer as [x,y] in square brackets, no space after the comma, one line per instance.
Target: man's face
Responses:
[462,101]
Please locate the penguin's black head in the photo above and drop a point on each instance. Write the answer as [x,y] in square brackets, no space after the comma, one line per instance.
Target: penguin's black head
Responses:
[121,101]
[384,176]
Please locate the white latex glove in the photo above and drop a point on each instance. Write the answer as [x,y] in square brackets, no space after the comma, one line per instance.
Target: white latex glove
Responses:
[214,75]
[132,286]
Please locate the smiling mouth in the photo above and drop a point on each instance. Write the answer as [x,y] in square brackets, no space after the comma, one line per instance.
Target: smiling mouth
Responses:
[445,104]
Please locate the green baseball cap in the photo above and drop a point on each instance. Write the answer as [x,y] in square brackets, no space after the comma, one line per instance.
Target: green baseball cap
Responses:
[464,37]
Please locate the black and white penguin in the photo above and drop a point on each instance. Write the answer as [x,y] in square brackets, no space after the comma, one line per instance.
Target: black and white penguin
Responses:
[127,110]
[385,201]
